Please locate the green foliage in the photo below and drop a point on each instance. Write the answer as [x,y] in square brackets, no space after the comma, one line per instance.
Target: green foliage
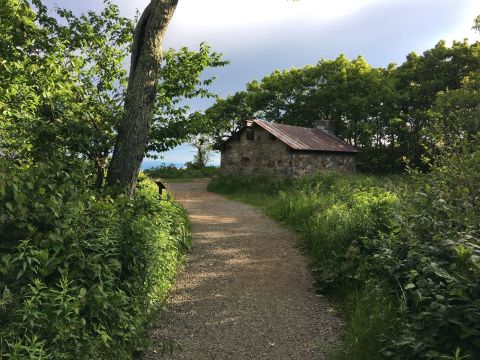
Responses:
[476,24]
[29,56]
[80,63]
[401,255]
[342,220]
[173,124]
[172,172]
[436,258]
[388,113]
[82,274]
[228,115]
[203,155]
[368,311]
[347,218]
[457,114]
[339,216]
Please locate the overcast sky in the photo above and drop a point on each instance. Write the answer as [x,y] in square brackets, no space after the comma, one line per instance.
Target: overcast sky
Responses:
[259,36]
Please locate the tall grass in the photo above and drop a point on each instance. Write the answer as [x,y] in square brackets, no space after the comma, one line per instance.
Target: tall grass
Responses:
[400,255]
[341,220]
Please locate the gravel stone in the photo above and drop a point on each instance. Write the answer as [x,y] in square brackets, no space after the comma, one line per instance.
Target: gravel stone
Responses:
[246,291]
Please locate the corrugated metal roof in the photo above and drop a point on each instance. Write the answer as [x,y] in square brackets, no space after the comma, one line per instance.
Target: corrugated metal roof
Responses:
[301,138]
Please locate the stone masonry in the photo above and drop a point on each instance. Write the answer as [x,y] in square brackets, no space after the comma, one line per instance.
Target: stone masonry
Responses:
[261,153]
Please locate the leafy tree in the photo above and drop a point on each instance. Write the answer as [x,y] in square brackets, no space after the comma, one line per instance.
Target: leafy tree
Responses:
[89,271]
[172,123]
[457,114]
[81,63]
[388,113]
[203,155]
[227,116]
[140,97]
[355,96]
[29,56]
[476,24]
[97,45]
[145,65]
[419,80]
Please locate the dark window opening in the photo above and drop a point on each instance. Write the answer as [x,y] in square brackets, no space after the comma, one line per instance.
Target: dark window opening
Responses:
[250,134]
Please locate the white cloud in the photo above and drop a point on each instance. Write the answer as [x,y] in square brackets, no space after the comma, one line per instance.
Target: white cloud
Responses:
[222,22]
[242,26]
[234,13]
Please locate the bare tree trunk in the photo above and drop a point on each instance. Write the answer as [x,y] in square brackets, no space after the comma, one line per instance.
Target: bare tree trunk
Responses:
[140,97]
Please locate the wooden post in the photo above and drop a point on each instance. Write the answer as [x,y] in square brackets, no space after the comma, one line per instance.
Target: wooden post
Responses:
[161,186]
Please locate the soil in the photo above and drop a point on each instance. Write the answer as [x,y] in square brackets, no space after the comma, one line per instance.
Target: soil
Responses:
[246,291]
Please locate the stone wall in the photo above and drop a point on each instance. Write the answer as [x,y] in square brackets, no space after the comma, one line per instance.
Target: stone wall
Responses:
[266,155]
[307,163]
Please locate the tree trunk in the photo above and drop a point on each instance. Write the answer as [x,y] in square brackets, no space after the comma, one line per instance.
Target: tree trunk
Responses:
[140,96]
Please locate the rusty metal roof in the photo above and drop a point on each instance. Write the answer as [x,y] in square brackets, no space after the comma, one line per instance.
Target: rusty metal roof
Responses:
[301,138]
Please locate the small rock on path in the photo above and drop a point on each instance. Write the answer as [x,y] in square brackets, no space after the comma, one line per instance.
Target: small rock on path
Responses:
[246,291]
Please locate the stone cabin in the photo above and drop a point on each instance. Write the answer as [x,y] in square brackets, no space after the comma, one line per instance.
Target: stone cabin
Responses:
[264,148]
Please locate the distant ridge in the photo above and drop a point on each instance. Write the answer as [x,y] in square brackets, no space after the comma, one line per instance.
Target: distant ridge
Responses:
[147,164]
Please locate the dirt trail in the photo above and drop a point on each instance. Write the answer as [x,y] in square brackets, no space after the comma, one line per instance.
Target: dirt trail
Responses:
[246,292]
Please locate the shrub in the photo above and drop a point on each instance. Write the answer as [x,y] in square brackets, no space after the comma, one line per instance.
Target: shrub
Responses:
[342,220]
[435,256]
[172,172]
[82,273]
[402,255]
[340,217]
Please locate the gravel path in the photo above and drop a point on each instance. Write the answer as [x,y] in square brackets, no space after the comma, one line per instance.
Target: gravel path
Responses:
[246,292]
